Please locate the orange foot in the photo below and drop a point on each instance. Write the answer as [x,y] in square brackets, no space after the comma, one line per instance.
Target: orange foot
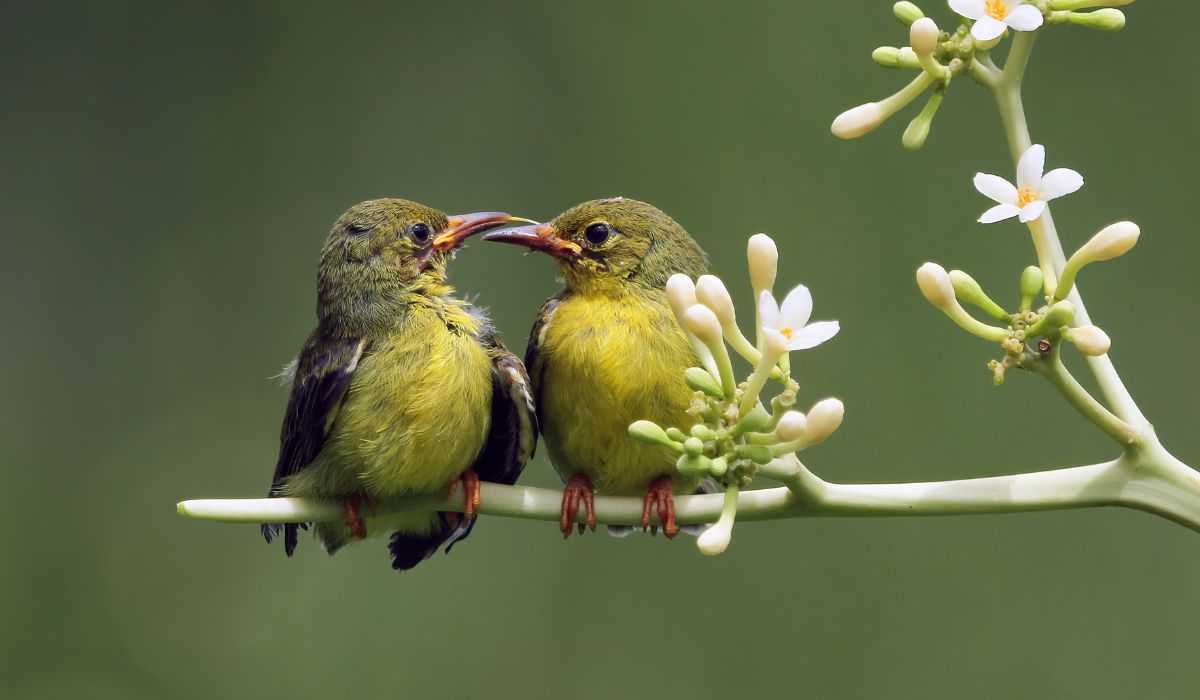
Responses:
[578,488]
[352,514]
[659,498]
[470,484]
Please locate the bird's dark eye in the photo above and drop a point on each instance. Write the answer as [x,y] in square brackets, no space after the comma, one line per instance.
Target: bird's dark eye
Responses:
[419,232]
[597,233]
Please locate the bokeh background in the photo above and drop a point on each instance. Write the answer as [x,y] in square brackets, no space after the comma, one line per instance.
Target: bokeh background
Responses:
[170,171]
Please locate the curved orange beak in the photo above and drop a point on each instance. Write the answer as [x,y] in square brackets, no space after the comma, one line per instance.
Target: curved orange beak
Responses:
[543,238]
[463,226]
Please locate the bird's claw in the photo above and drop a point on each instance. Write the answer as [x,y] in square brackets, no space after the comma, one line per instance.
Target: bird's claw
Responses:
[578,488]
[352,514]
[471,499]
[659,498]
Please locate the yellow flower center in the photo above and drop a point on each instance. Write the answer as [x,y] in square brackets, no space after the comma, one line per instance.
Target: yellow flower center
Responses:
[1025,195]
[786,332]
[996,9]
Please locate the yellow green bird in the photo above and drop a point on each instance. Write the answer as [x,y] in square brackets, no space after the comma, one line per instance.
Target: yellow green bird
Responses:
[402,389]
[607,351]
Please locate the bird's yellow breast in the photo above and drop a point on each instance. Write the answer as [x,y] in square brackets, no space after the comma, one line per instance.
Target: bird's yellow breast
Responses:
[606,362]
[417,413]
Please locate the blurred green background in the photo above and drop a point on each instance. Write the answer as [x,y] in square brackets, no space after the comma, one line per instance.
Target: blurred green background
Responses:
[170,171]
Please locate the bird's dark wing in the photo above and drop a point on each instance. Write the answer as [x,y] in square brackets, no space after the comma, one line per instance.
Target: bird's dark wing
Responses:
[322,376]
[533,350]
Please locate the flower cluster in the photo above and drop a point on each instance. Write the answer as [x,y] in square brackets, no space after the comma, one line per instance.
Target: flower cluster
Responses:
[1044,315]
[735,435]
[941,56]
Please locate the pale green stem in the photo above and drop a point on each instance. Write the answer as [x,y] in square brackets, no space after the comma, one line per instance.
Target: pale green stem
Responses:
[1149,480]
[754,385]
[1054,370]
[1007,92]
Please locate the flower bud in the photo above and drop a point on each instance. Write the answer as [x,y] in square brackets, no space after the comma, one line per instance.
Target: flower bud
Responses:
[857,121]
[907,58]
[918,129]
[701,380]
[1032,282]
[1107,20]
[923,36]
[824,418]
[763,258]
[1090,340]
[907,12]
[681,293]
[935,284]
[792,426]
[1059,315]
[703,323]
[967,289]
[1112,241]
[693,446]
[759,454]
[650,432]
[715,539]
[711,292]
[886,56]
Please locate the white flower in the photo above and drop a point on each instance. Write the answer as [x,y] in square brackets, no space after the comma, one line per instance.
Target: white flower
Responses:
[993,16]
[1028,198]
[791,321]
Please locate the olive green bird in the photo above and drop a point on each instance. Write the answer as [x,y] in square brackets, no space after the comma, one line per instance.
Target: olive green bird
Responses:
[607,351]
[402,389]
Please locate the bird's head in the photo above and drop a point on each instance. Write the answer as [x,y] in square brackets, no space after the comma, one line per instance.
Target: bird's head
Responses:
[382,250]
[608,243]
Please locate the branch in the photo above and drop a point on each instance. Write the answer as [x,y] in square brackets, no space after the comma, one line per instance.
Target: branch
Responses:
[1160,485]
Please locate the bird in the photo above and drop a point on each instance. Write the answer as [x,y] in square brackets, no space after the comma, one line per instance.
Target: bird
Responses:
[606,351]
[402,388]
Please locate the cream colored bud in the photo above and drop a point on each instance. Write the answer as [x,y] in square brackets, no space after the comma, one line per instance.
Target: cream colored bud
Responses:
[703,323]
[650,432]
[681,293]
[823,419]
[763,259]
[711,292]
[1090,340]
[715,539]
[792,426]
[923,36]
[857,121]
[1107,20]
[935,284]
[1110,242]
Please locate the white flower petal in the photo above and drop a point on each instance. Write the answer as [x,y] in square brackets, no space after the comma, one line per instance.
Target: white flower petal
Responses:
[797,308]
[1025,18]
[986,28]
[768,310]
[971,9]
[1059,182]
[1031,211]
[1000,212]
[813,335]
[996,188]
[1029,168]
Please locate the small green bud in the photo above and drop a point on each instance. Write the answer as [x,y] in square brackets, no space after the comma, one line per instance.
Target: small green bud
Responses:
[718,467]
[967,289]
[693,465]
[918,129]
[907,12]
[759,454]
[886,56]
[693,447]
[676,434]
[1107,20]
[703,432]
[700,380]
[1059,315]
[756,421]
[650,432]
[1031,286]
